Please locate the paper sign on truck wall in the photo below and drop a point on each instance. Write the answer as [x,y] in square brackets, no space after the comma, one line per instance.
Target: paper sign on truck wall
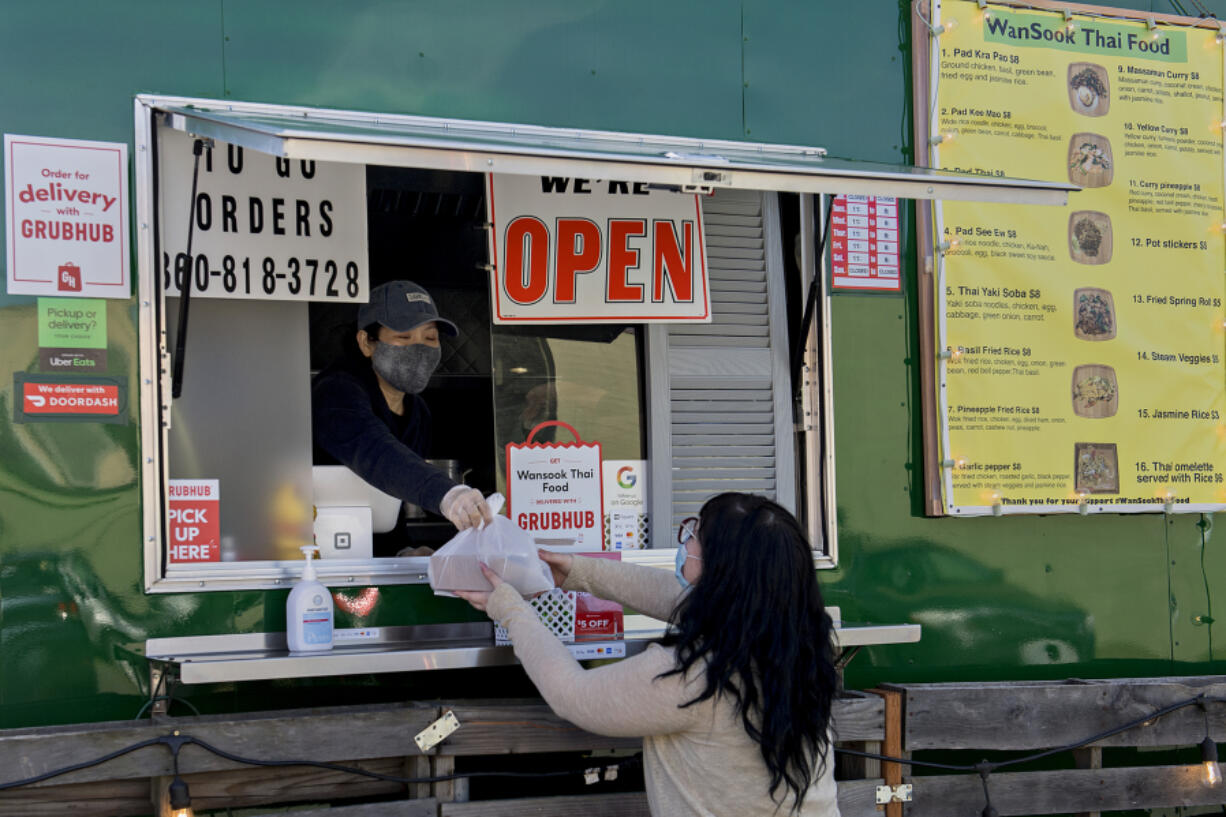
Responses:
[266,228]
[66,206]
[193,521]
[625,504]
[595,251]
[554,491]
[598,619]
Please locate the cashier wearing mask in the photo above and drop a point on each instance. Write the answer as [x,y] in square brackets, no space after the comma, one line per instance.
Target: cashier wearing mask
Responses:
[367,410]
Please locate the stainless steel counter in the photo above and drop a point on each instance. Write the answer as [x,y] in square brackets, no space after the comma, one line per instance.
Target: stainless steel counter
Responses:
[263,656]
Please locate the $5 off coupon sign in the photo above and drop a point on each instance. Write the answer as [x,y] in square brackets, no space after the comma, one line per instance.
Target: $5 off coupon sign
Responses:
[554,491]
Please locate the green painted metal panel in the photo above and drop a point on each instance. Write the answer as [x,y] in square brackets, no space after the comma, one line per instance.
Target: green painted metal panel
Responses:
[999,598]
[830,74]
[637,66]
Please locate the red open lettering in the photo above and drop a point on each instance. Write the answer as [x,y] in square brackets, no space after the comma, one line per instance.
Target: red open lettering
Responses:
[672,261]
[527,238]
[623,257]
[578,252]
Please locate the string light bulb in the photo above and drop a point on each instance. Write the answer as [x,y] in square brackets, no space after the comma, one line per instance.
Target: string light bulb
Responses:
[1155,32]
[1208,758]
[941,138]
[1069,25]
[180,799]
[987,12]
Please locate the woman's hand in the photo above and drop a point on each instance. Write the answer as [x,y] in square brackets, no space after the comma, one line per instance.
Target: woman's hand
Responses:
[559,564]
[480,598]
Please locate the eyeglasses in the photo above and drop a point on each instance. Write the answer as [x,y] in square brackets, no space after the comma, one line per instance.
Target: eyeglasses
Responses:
[688,530]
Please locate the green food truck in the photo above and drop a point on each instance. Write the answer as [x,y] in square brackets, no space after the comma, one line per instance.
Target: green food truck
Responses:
[979,354]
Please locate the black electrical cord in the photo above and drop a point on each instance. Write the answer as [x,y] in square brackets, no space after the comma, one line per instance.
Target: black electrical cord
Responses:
[1000,764]
[336,767]
[88,764]
[169,696]
[170,699]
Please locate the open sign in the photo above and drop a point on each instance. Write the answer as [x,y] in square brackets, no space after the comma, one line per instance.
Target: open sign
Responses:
[595,251]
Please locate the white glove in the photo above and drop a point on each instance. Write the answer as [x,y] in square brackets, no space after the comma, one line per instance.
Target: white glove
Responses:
[464,507]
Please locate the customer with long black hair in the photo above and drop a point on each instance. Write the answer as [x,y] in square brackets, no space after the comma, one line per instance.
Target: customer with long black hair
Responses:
[734,703]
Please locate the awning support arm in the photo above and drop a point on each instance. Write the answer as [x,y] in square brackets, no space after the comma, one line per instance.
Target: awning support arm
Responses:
[798,354]
[183,274]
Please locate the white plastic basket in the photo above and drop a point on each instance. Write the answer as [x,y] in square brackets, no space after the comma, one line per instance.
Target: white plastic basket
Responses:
[556,610]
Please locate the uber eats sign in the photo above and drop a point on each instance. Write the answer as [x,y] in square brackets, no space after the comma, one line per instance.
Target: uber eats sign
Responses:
[573,250]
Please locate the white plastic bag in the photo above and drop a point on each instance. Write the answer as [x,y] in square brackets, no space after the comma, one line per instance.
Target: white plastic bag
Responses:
[506,549]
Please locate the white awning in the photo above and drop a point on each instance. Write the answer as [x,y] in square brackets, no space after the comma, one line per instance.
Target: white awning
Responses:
[454,144]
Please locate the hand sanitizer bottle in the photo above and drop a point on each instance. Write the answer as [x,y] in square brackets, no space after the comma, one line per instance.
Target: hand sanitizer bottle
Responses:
[308,613]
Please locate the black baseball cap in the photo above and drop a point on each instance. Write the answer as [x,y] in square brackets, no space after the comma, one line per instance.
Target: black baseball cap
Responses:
[401,306]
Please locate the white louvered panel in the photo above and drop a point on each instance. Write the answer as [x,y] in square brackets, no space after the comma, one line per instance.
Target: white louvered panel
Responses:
[721,404]
[708,340]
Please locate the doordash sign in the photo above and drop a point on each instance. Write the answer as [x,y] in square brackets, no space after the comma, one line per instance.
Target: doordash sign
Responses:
[66,217]
[79,399]
[573,250]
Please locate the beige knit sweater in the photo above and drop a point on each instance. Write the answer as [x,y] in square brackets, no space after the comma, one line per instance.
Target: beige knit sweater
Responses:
[698,761]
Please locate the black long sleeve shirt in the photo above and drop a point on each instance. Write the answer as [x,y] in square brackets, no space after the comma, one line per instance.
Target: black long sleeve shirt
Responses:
[352,425]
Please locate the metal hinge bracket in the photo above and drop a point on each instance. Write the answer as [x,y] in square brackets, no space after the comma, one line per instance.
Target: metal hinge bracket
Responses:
[894,794]
[435,733]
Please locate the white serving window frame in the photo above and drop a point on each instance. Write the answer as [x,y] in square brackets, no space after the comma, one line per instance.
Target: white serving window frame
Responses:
[411,141]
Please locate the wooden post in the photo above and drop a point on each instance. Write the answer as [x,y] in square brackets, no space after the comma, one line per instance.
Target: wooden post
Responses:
[419,766]
[1089,758]
[445,790]
[892,745]
[159,794]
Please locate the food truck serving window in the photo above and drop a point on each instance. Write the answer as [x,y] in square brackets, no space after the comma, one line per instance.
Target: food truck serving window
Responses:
[251,290]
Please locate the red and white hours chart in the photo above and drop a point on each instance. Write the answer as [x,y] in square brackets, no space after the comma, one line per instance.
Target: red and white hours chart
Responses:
[864,244]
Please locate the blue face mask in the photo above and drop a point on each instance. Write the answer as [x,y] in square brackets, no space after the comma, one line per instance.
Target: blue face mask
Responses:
[681,557]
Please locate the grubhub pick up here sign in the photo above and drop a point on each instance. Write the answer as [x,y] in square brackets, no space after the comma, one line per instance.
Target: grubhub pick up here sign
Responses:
[572,250]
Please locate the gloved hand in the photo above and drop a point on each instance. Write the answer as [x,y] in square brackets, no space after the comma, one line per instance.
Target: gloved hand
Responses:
[464,507]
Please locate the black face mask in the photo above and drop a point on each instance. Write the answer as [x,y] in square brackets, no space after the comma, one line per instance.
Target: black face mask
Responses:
[407,368]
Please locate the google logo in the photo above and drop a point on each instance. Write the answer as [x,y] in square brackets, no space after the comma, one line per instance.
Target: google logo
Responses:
[626,477]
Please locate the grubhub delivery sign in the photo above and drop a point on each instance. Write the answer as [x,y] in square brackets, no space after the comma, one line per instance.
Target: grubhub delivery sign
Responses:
[66,217]
[572,250]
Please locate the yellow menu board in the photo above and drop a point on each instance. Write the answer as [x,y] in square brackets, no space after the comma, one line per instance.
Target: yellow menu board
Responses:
[1082,365]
